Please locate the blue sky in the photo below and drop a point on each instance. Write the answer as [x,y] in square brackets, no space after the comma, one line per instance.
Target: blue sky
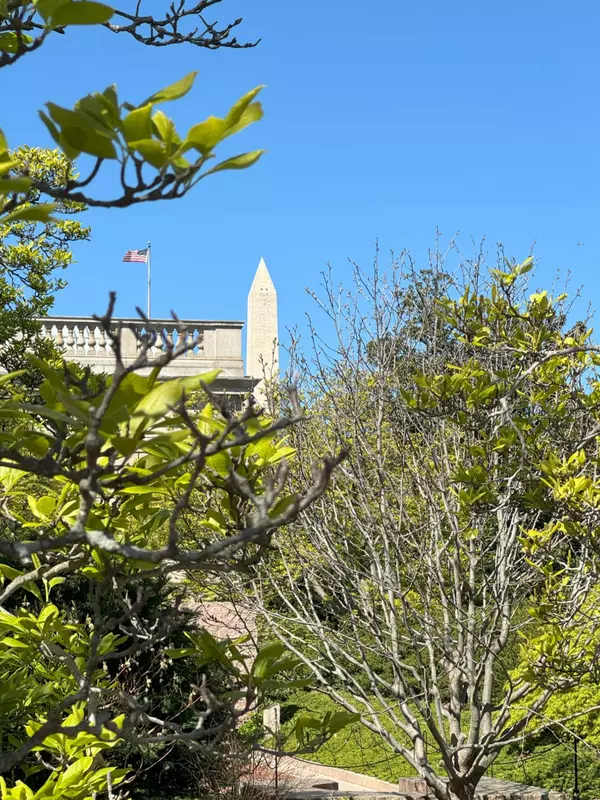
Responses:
[383,120]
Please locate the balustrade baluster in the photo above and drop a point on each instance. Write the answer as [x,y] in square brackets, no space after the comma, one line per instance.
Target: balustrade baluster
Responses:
[59,336]
[169,342]
[70,340]
[182,339]
[91,340]
[80,341]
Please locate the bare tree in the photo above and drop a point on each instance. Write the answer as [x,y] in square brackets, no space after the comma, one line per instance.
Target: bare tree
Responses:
[438,590]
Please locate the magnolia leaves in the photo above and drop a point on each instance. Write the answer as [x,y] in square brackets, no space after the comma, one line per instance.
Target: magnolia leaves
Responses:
[134,136]
[100,127]
[59,14]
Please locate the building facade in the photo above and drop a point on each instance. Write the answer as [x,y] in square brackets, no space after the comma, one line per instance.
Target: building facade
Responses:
[219,342]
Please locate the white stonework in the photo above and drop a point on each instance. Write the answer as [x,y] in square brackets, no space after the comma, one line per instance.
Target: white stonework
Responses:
[262,350]
[219,342]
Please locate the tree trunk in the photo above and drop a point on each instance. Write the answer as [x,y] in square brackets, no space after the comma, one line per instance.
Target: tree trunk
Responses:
[461,790]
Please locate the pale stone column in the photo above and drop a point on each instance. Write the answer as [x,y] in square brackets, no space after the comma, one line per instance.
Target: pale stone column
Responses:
[262,351]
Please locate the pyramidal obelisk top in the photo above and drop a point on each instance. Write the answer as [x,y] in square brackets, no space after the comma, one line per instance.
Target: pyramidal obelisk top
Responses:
[262,354]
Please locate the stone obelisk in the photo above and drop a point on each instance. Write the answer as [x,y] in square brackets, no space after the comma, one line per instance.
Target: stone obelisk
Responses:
[262,355]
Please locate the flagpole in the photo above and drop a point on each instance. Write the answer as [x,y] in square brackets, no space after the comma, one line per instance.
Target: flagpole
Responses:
[149,282]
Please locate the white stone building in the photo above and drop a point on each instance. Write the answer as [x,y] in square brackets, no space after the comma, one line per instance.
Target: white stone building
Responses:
[220,341]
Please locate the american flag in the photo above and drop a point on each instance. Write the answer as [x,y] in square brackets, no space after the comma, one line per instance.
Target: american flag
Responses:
[136,256]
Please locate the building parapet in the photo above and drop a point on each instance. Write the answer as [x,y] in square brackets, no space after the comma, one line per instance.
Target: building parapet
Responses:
[219,343]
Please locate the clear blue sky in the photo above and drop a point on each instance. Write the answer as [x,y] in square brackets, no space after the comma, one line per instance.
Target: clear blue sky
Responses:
[383,119]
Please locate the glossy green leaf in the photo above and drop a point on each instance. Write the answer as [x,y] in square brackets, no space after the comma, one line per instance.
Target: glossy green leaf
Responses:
[237,162]
[253,113]
[238,109]
[10,641]
[341,719]
[152,151]
[194,382]
[46,505]
[9,41]
[80,12]
[265,658]
[174,91]
[162,398]
[46,8]
[111,95]
[206,135]
[30,213]
[89,141]
[11,376]
[20,184]
[137,125]
[164,128]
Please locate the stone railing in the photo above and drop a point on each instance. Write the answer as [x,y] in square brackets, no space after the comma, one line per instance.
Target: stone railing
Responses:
[218,344]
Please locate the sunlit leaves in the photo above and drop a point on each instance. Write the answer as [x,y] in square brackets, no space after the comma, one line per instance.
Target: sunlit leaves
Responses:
[78,12]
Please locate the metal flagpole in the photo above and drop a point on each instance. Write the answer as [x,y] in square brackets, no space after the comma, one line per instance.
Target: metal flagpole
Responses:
[149,281]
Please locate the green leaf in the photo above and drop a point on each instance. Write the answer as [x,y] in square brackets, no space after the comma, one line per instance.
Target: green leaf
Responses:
[46,8]
[12,642]
[11,376]
[165,128]
[49,612]
[238,109]
[10,572]
[30,213]
[81,12]
[181,652]
[266,655]
[193,382]
[87,140]
[162,398]
[9,42]
[52,128]
[340,720]
[75,772]
[242,161]
[152,151]
[14,185]
[54,377]
[252,114]
[174,91]
[137,125]
[44,411]
[205,135]
[46,505]
[125,445]
[111,95]
[307,721]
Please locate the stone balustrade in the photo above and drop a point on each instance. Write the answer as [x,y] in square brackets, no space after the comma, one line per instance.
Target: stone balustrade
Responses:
[217,344]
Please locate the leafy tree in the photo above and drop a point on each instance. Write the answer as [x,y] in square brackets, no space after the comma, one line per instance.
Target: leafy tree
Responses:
[446,577]
[97,480]
[31,255]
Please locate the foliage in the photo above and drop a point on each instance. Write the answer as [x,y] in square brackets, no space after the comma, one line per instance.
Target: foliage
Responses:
[101,474]
[97,480]
[139,138]
[31,253]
